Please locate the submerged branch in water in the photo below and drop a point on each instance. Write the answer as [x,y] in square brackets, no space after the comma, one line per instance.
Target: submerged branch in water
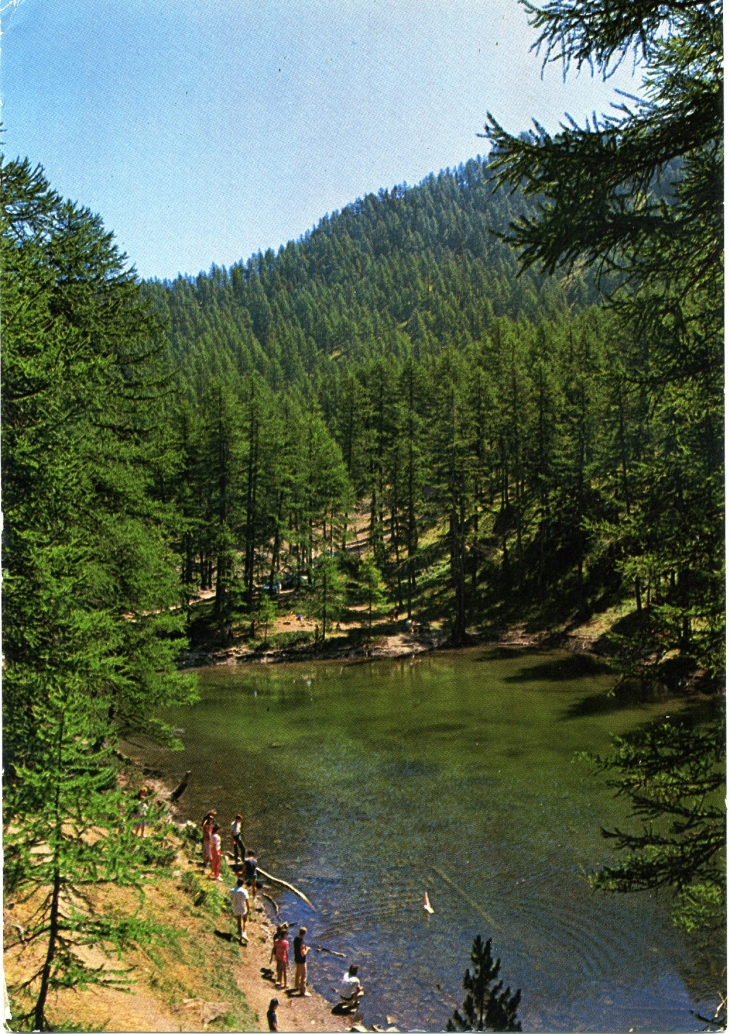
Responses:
[289,886]
[477,908]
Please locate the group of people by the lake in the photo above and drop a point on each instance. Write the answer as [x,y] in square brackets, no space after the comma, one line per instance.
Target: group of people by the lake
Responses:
[213,849]
[242,897]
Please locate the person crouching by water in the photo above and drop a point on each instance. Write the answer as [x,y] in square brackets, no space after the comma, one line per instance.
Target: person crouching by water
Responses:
[239,904]
[300,963]
[351,990]
[271,1014]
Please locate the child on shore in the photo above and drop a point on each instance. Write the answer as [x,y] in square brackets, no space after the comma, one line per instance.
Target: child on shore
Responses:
[216,853]
[277,934]
[271,1014]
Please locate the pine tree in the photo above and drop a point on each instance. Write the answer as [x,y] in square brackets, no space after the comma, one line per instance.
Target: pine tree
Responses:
[370,589]
[90,633]
[266,614]
[674,777]
[486,1007]
[70,831]
[328,593]
[638,193]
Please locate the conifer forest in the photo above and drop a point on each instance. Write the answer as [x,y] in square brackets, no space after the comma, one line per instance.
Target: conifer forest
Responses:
[508,377]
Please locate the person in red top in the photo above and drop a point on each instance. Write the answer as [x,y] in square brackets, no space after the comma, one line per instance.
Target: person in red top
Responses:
[281,950]
[216,853]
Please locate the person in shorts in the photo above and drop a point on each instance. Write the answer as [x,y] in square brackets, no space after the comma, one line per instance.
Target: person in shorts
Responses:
[239,904]
[300,963]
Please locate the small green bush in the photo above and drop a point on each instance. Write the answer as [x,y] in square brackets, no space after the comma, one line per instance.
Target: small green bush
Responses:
[207,894]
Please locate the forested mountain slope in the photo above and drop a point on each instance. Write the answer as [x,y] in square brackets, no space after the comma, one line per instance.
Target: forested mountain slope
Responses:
[504,432]
[411,268]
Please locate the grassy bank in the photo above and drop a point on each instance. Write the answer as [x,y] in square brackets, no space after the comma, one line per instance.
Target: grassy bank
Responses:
[189,972]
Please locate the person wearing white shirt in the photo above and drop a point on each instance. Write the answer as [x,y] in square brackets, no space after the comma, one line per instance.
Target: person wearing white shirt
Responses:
[239,904]
[351,990]
[237,838]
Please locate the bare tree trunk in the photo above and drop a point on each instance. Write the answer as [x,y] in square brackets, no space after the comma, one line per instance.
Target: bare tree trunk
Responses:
[39,1020]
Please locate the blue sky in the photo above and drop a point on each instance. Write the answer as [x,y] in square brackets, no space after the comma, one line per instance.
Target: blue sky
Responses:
[204,131]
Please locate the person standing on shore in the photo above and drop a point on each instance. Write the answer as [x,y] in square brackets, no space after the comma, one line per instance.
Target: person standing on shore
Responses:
[239,904]
[250,865]
[300,963]
[216,853]
[208,823]
[281,950]
[280,932]
[237,838]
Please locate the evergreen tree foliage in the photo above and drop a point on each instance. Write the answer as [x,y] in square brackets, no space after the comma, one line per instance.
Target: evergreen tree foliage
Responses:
[370,588]
[89,636]
[413,267]
[71,830]
[674,777]
[266,615]
[327,599]
[488,1005]
[639,194]
[85,545]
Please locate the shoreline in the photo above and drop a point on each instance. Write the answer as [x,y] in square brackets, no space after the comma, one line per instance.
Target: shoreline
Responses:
[398,644]
[295,1013]
[189,973]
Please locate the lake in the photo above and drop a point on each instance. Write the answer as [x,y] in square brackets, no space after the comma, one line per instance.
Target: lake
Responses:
[454,773]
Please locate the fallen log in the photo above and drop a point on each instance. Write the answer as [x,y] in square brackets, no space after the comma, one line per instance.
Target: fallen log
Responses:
[289,886]
[269,898]
[477,908]
[330,951]
[181,787]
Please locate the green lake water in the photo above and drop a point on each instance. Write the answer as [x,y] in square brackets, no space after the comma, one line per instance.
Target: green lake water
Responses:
[451,773]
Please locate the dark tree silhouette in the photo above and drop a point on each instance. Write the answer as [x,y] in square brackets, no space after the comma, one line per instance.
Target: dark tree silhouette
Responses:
[486,1007]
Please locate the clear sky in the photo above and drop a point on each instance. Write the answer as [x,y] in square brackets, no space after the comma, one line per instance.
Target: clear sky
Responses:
[205,130]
